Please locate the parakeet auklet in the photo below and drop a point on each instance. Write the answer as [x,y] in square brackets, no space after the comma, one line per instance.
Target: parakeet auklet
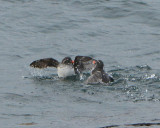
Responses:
[98,75]
[83,64]
[64,69]
[67,67]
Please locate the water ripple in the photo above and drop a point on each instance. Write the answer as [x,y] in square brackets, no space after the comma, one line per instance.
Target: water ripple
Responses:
[138,83]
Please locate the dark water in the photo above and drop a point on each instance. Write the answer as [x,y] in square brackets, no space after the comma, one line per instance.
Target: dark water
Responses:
[125,34]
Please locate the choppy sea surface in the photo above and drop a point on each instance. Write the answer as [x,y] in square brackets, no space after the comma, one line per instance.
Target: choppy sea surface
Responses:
[125,34]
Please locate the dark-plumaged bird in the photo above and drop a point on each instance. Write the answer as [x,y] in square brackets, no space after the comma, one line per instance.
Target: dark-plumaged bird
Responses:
[98,75]
[64,69]
[67,67]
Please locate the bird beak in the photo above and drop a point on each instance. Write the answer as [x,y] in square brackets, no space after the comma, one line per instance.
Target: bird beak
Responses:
[93,61]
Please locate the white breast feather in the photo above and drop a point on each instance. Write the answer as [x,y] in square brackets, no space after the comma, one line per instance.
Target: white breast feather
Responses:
[65,71]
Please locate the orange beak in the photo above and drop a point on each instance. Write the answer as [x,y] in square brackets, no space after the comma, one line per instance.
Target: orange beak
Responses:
[94,62]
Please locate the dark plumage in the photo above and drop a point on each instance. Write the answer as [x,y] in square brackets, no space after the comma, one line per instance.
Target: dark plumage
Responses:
[99,75]
[64,69]
[44,63]
[68,66]
[83,63]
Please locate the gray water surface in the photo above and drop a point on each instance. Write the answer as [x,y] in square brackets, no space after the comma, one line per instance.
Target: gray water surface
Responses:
[125,34]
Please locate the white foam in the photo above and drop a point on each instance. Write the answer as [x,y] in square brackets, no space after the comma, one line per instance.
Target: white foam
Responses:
[151,76]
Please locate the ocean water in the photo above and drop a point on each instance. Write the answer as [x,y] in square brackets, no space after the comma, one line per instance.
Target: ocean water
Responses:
[124,34]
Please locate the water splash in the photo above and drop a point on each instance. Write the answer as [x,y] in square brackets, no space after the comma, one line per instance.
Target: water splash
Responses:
[137,83]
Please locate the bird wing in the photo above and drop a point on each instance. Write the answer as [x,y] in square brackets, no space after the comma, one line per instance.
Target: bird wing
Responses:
[82,63]
[44,63]
[83,58]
